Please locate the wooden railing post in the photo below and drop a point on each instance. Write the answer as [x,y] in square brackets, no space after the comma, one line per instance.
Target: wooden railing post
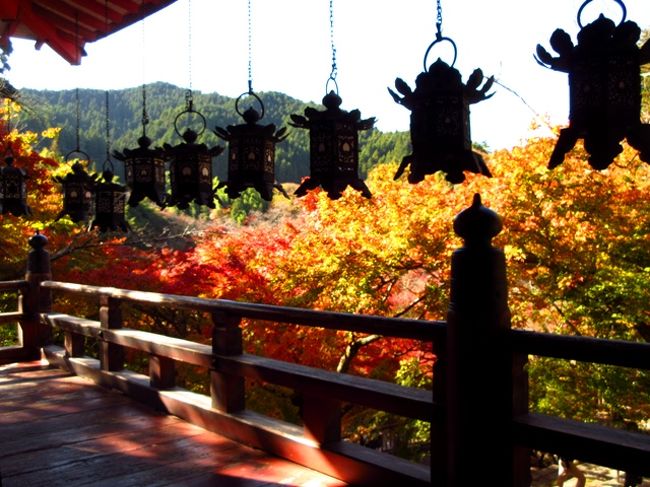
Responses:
[111,356]
[35,300]
[480,383]
[162,372]
[227,390]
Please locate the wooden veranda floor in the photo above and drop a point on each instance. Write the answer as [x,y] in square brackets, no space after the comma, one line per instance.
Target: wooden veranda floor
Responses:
[58,429]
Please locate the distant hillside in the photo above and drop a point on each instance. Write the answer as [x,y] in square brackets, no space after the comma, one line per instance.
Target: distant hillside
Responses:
[164,103]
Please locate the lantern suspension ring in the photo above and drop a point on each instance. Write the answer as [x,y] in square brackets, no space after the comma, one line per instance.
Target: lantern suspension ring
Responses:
[189,110]
[440,38]
[587,2]
[334,72]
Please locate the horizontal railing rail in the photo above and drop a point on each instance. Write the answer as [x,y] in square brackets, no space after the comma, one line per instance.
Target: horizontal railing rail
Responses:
[422,330]
[623,353]
[17,285]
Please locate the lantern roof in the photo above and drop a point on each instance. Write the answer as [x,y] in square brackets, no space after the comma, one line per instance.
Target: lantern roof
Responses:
[54,22]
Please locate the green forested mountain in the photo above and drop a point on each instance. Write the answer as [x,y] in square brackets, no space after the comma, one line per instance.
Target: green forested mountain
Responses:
[164,103]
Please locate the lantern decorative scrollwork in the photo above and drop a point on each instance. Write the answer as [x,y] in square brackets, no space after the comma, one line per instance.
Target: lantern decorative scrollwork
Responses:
[191,165]
[251,153]
[604,70]
[333,147]
[78,191]
[440,121]
[13,190]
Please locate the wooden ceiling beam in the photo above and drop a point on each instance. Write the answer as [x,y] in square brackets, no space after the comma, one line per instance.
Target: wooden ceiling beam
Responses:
[68,26]
[96,9]
[68,11]
[45,32]
[129,5]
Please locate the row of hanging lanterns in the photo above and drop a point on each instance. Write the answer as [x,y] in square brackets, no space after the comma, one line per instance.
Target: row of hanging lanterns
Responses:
[604,80]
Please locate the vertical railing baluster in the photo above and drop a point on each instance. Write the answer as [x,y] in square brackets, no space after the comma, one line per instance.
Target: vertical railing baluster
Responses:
[111,356]
[227,391]
[321,418]
[74,344]
[162,372]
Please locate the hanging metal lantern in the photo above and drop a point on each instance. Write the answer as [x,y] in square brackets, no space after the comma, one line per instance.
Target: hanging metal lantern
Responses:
[110,197]
[333,147]
[145,172]
[251,153]
[78,192]
[13,190]
[333,139]
[191,166]
[604,87]
[110,203]
[440,122]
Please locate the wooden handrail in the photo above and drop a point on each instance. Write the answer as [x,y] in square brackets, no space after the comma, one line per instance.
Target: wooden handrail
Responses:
[426,331]
[18,285]
[586,349]
[10,317]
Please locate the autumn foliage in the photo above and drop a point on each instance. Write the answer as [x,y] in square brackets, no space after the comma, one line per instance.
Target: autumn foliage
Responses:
[576,241]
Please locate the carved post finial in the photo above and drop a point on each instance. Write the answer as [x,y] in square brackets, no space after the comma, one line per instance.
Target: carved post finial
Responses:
[39,259]
[477,225]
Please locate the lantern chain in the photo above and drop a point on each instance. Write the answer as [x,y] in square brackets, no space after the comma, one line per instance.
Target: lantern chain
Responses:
[334,67]
[189,99]
[250,48]
[78,130]
[108,132]
[145,115]
[8,150]
[76,93]
[439,20]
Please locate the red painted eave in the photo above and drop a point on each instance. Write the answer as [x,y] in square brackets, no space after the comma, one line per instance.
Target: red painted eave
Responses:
[67,25]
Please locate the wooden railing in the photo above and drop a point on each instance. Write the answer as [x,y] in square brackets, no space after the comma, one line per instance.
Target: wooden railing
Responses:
[482,429]
[622,450]
[316,444]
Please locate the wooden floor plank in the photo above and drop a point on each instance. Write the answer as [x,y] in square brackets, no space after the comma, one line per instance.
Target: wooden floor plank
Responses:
[60,430]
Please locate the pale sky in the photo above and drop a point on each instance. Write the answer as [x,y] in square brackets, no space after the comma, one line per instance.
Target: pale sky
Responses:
[376,41]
